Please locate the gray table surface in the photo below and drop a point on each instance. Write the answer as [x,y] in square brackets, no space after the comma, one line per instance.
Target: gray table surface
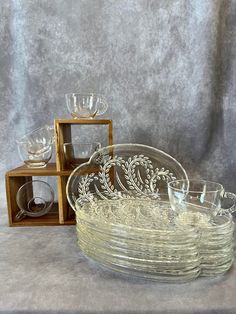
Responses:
[43,271]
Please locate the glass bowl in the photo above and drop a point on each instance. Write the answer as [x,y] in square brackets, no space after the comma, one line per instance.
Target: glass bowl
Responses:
[34,199]
[78,153]
[86,105]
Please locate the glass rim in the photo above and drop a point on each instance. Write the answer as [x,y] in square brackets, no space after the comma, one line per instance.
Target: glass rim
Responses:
[43,145]
[218,189]
[70,143]
[22,138]
[84,94]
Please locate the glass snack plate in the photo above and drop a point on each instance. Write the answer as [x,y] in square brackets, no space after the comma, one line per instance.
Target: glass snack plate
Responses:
[152,266]
[125,222]
[117,171]
[133,240]
[162,259]
[129,183]
[216,244]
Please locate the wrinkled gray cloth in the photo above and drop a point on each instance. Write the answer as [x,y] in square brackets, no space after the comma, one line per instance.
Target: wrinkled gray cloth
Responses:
[43,271]
[168,71]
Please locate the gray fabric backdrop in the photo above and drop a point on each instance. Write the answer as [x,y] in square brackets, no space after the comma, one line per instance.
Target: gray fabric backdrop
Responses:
[167,69]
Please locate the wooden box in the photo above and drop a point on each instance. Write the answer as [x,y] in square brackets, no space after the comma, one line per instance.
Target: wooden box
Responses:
[61,213]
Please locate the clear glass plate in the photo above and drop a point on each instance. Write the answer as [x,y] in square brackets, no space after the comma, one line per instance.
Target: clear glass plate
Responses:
[122,171]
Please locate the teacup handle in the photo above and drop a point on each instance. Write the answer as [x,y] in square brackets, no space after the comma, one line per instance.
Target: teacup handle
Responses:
[98,146]
[52,132]
[231,209]
[20,215]
[102,107]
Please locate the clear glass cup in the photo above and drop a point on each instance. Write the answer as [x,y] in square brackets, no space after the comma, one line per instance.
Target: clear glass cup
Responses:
[77,153]
[34,199]
[35,148]
[86,105]
[35,156]
[43,135]
[199,196]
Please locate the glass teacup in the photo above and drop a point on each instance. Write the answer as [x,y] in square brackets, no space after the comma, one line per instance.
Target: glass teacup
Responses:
[200,196]
[34,199]
[86,105]
[78,153]
[35,155]
[43,135]
[35,148]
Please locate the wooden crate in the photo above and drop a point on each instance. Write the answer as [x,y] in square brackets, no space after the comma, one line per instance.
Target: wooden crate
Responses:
[61,213]
[63,135]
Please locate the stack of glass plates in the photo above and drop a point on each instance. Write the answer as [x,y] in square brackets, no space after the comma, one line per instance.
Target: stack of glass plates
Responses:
[145,238]
[216,242]
[139,237]
[125,222]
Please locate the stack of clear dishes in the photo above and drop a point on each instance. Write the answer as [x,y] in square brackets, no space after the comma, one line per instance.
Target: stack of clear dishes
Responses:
[216,240]
[125,220]
[199,204]
[137,237]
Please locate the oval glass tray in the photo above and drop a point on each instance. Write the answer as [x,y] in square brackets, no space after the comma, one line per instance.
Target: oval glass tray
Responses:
[116,171]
